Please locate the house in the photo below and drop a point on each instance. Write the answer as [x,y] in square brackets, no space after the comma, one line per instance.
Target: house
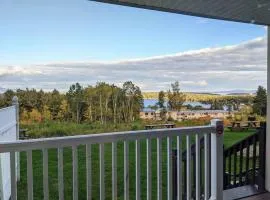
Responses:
[150,114]
[196,114]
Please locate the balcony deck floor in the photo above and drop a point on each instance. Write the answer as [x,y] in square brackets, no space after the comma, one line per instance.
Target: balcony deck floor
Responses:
[247,192]
[264,196]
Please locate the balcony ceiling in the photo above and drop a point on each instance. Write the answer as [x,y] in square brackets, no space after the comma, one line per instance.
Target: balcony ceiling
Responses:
[248,11]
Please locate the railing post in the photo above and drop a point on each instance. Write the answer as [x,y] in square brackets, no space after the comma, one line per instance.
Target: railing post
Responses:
[15,102]
[262,150]
[217,160]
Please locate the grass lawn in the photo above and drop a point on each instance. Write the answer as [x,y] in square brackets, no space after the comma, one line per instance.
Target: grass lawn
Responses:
[229,139]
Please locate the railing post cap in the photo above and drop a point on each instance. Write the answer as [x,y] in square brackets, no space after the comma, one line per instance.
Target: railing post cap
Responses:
[215,122]
[218,124]
[15,100]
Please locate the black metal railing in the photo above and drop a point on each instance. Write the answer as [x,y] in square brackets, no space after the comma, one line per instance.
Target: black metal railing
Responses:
[244,162]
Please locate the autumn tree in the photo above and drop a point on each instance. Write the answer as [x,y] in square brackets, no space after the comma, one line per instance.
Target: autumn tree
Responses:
[55,104]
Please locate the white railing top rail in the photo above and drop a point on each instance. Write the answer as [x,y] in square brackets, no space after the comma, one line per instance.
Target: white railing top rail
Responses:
[6,108]
[57,142]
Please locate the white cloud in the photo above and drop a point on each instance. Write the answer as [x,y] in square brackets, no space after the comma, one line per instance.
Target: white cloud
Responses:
[241,66]
[18,70]
[194,83]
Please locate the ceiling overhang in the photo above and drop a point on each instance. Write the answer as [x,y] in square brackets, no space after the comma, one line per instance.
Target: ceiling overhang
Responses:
[248,11]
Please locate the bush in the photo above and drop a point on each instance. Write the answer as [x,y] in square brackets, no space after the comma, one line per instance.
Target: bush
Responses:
[135,127]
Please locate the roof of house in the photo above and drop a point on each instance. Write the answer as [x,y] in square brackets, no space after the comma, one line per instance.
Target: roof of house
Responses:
[147,110]
[201,111]
[248,11]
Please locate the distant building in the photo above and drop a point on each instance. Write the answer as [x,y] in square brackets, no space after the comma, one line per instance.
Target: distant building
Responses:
[148,113]
[196,114]
[184,115]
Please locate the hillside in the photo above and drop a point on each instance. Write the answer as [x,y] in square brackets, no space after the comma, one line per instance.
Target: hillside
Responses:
[197,96]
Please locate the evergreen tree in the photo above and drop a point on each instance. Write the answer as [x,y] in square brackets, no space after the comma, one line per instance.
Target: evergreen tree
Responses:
[161,99]
[176,98]
[260,101]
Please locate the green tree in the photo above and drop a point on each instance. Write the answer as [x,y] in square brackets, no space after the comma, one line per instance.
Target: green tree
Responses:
[75,97]
[134,100]
[216,105]
[55,104]
[161,99]
[260,101]
[176,98]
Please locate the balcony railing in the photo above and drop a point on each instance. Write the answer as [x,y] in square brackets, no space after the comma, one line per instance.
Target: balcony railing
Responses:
[182,137]
[244,162]
[149,144]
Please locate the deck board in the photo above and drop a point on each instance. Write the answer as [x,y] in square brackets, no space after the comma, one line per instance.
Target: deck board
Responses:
[264,196]
[241,192]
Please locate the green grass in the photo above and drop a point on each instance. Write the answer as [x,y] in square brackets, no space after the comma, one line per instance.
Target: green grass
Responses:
[229,139]
[232,137]
[57,128]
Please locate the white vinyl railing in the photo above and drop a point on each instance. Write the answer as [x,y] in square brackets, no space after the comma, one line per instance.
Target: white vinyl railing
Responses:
[8,132]
[215,131]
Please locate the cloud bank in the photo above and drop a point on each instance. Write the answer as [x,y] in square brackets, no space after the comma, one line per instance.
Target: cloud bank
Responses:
[241,66]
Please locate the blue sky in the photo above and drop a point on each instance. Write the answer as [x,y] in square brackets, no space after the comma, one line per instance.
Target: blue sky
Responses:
[70,31]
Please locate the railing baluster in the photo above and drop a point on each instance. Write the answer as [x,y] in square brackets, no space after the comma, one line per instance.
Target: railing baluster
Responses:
[169,168]
[138,170]
[254,159]
[247,162]
[224,168]
[45,174]
[201,167]
[230,167]
[159,169]
[29,175]
[126,170]
[234,165]
[198,164]
[193,187]
[149,170]
[185,178]
[75,172]
[179,168]
[101,172]
[206,166]
[60,174]
[241,165]
[89,172]
[188,174]
[114,170]
[13,175]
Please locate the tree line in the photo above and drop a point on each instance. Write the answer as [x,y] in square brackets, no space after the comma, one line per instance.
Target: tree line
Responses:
[102,103]
[175,100]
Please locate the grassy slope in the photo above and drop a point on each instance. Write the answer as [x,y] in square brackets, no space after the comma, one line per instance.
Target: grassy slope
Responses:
[55,128]
[229,139]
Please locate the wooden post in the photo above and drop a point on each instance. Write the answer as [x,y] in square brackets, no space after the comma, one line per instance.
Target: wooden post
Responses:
[15,102]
